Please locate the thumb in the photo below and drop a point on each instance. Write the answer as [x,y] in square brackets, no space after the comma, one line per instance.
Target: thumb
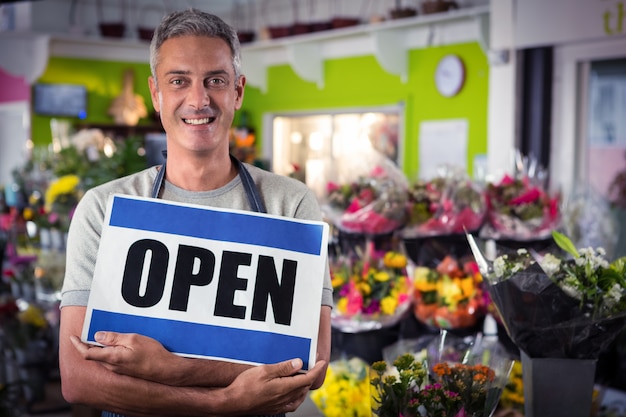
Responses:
[107,338]
[288,368]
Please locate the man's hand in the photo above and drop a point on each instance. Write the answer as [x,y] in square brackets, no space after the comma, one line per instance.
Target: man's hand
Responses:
[274,389]
[132,354]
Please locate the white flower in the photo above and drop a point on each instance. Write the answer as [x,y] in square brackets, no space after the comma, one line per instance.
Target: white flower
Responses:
[613,296]
[570,286]
[504,266]
[592,258]
[550,264]
[499,266]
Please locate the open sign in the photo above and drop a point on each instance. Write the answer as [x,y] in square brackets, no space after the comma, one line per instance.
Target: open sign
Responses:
[222,284]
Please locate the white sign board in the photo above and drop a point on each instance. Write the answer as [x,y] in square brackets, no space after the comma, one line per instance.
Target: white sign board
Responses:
[221,284]
[541,22]
[442,143]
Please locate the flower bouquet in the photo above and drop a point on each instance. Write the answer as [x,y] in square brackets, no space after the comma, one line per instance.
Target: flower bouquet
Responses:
[519,208]
[371,201]
[372,291]
[444,205]
[449,296]
[470,387]
[346,390]
[564,308]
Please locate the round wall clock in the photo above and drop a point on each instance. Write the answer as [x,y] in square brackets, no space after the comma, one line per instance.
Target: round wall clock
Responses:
[450,75]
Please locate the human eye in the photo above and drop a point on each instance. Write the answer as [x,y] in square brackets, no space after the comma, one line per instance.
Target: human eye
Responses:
[177,80]
[216,82]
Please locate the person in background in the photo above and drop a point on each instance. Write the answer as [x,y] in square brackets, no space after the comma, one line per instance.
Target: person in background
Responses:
[196,86]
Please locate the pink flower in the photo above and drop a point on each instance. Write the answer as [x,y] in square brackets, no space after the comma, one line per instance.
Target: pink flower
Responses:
[53,217]
[378,171]
[355,299]
[354,206]
[528,197]
[507,180]
[331,186]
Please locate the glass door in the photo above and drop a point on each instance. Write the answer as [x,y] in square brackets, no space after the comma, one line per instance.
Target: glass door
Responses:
[605,140]
[588,150]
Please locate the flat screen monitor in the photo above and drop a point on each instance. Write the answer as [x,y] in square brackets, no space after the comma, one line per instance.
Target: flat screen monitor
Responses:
[69,100]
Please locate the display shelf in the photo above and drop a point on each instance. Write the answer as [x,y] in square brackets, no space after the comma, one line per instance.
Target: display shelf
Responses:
[388,41]
[122,131]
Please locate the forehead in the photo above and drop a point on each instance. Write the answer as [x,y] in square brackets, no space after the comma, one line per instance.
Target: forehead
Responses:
[187,53]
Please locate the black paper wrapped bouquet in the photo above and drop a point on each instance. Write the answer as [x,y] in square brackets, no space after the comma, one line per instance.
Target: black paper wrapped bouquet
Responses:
[570,304]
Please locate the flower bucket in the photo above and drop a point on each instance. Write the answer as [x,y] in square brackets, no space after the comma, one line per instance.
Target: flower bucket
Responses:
[556,387]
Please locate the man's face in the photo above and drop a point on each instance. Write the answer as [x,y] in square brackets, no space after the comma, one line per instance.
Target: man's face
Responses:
[196,93]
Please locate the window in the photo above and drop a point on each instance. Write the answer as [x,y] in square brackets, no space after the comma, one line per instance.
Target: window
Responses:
[312,147]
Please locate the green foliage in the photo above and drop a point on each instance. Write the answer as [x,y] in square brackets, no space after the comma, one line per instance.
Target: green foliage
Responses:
[125,160]
[565,243]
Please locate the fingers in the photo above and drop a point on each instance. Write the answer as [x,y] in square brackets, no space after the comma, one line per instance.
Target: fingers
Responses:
[81,347]
[313,373]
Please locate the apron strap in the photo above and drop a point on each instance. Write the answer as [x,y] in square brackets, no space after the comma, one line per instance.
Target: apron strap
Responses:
[252,192]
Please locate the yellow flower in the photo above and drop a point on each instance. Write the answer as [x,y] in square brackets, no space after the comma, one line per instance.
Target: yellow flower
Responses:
[467,287]
[338,280]
[28,213]
[388,305]
[513,392]
[382,276]
[364,288]
[33,316]
[449,292]
[346,390]
[394,260]
[342,305]
[64,185]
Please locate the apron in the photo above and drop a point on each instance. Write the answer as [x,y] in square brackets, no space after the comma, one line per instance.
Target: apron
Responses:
[254,199]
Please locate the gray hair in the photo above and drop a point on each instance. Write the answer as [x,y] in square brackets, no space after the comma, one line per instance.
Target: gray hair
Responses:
[193,22]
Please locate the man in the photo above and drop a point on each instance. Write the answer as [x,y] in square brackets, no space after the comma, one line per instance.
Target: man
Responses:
[196,87]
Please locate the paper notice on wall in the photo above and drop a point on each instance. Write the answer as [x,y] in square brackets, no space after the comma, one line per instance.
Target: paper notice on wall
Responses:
[442,143]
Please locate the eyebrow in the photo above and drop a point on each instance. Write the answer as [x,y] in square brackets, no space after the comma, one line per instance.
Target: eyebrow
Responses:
[208,73]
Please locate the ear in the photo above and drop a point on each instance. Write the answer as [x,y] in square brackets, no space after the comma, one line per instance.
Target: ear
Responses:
[239,88]
[154,94]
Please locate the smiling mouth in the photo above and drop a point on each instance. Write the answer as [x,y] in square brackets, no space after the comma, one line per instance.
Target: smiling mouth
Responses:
[203,121]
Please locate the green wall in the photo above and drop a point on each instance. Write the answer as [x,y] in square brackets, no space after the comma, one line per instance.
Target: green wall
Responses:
[348,83]
[103,80]
[361,82]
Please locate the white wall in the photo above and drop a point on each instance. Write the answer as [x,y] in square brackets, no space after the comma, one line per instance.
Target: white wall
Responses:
[14,134]
[501,141]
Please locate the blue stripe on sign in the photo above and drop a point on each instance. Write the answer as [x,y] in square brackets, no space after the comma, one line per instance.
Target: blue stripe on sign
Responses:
[157,216]
[205,339]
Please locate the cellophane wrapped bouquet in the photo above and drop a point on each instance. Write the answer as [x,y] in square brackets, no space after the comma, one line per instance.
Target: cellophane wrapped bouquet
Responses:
[449,296]
[568,305]
[520,207]
[448,204]
[369,198]
[456,380]
[372,289]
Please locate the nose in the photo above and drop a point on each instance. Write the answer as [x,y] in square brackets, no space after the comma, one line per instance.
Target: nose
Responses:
[199,96]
